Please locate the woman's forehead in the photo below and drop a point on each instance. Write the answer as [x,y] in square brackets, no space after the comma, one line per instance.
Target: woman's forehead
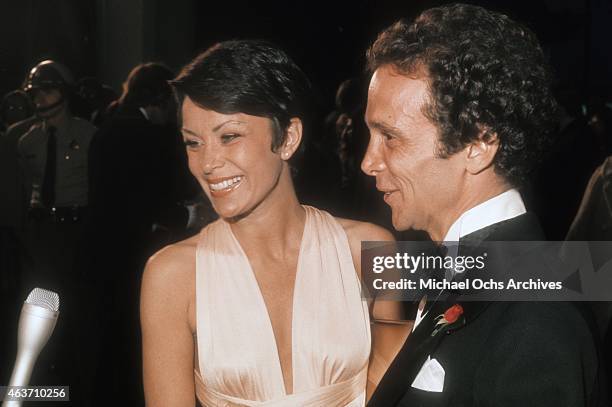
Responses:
[197,118]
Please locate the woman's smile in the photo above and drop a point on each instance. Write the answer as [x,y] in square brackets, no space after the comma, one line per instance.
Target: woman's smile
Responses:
[220,187]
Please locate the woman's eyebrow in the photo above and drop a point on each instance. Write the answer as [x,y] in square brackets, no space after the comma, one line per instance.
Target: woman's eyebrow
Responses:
[226,122]
[191,132]
[214,129]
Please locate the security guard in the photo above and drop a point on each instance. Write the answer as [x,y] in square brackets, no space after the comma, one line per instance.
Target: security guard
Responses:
[54,152]
[54,161]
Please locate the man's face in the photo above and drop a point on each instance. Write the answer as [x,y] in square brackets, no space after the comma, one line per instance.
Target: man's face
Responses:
[48,101]
[421,188]
[16,109]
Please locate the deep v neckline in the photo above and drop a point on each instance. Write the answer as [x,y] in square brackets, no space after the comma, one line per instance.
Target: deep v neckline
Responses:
[262,303]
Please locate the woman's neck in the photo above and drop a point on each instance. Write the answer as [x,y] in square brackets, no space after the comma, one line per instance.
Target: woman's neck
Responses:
[276,225]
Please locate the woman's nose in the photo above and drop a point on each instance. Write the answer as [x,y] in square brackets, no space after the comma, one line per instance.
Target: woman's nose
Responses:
[211,160]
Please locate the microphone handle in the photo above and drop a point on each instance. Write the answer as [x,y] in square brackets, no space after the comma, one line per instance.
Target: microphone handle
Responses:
[22,371]
[12,404]
[35,327]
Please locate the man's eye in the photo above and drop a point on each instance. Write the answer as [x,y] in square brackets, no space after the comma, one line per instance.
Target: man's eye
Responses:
[387,136]
[226,138]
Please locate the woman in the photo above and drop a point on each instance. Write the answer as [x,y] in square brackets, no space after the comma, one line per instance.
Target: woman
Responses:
[263,307]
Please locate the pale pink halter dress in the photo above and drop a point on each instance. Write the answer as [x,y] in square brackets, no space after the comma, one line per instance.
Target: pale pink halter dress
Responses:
[238,358]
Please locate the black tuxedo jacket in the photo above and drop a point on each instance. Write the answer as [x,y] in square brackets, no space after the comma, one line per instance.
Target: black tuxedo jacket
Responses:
[501,354]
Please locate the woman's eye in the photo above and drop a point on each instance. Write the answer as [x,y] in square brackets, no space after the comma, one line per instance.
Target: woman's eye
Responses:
[190,143]
[227,138]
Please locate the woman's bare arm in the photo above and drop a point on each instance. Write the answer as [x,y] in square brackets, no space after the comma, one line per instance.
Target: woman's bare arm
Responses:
[389,328]
[167,295]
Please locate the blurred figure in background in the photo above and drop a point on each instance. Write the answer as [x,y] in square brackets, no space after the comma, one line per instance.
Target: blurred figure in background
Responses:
[344,131]
[593,223]
[15,107]
[16,118]
[53,155]
[135,166]
[133,174]
[556,189]
[599,113]
[95,97]
[341,148]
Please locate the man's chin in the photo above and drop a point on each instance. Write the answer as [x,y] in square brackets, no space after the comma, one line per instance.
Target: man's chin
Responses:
[400,225]
[48,113]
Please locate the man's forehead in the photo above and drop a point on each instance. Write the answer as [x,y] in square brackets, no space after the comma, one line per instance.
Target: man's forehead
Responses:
[388,76]
[392,92]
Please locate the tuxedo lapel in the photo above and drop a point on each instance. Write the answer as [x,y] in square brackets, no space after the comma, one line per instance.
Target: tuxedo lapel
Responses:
[402,372]
[420,344]
[524,227]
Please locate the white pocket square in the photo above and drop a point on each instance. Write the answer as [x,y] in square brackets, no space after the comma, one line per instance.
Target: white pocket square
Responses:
[430,377]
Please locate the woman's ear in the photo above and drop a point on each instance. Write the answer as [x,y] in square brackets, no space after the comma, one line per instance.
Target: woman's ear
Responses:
[293,139]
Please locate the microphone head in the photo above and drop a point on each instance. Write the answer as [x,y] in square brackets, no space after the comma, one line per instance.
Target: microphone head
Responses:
[44,298]
[36,324]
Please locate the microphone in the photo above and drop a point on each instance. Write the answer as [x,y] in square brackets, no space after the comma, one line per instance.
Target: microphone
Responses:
[36,323]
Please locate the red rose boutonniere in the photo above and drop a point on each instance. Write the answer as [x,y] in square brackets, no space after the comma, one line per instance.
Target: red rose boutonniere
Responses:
[449,317]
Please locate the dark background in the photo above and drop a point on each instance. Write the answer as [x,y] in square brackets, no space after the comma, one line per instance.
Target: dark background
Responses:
[106,38]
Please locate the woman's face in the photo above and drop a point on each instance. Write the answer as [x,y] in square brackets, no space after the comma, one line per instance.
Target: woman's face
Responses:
[230,156]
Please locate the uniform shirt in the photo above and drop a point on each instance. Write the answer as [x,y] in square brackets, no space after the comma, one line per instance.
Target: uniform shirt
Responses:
[73,139]
[11,204]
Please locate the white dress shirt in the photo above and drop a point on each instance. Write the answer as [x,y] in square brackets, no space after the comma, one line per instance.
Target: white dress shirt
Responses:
[504,206]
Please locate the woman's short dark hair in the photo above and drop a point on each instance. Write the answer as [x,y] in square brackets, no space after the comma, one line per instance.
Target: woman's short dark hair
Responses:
[247,76]
[485,73]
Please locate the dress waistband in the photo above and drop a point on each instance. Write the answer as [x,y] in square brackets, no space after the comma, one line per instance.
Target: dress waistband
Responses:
[337,394]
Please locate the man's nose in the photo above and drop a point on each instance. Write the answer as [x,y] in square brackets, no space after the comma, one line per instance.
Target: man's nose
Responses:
[38,98]
[372,162]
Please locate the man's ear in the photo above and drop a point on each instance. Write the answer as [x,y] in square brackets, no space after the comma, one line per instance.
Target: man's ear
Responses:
[481,152]
[293,139]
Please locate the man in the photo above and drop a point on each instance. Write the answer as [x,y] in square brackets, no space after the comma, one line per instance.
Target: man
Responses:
[593,223]
[15,107]
[12,211]
[133,159]
[459,109]
[53,155]
[54,160]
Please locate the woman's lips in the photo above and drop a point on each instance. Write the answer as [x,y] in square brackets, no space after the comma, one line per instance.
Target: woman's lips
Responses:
[222,186]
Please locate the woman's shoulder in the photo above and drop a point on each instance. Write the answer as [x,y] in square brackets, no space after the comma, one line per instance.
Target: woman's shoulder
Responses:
[181,252]
[173,267]
[357,232]
[168,282]
[363,231]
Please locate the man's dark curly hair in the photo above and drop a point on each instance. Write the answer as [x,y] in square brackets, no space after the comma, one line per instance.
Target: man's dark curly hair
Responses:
[486,73]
